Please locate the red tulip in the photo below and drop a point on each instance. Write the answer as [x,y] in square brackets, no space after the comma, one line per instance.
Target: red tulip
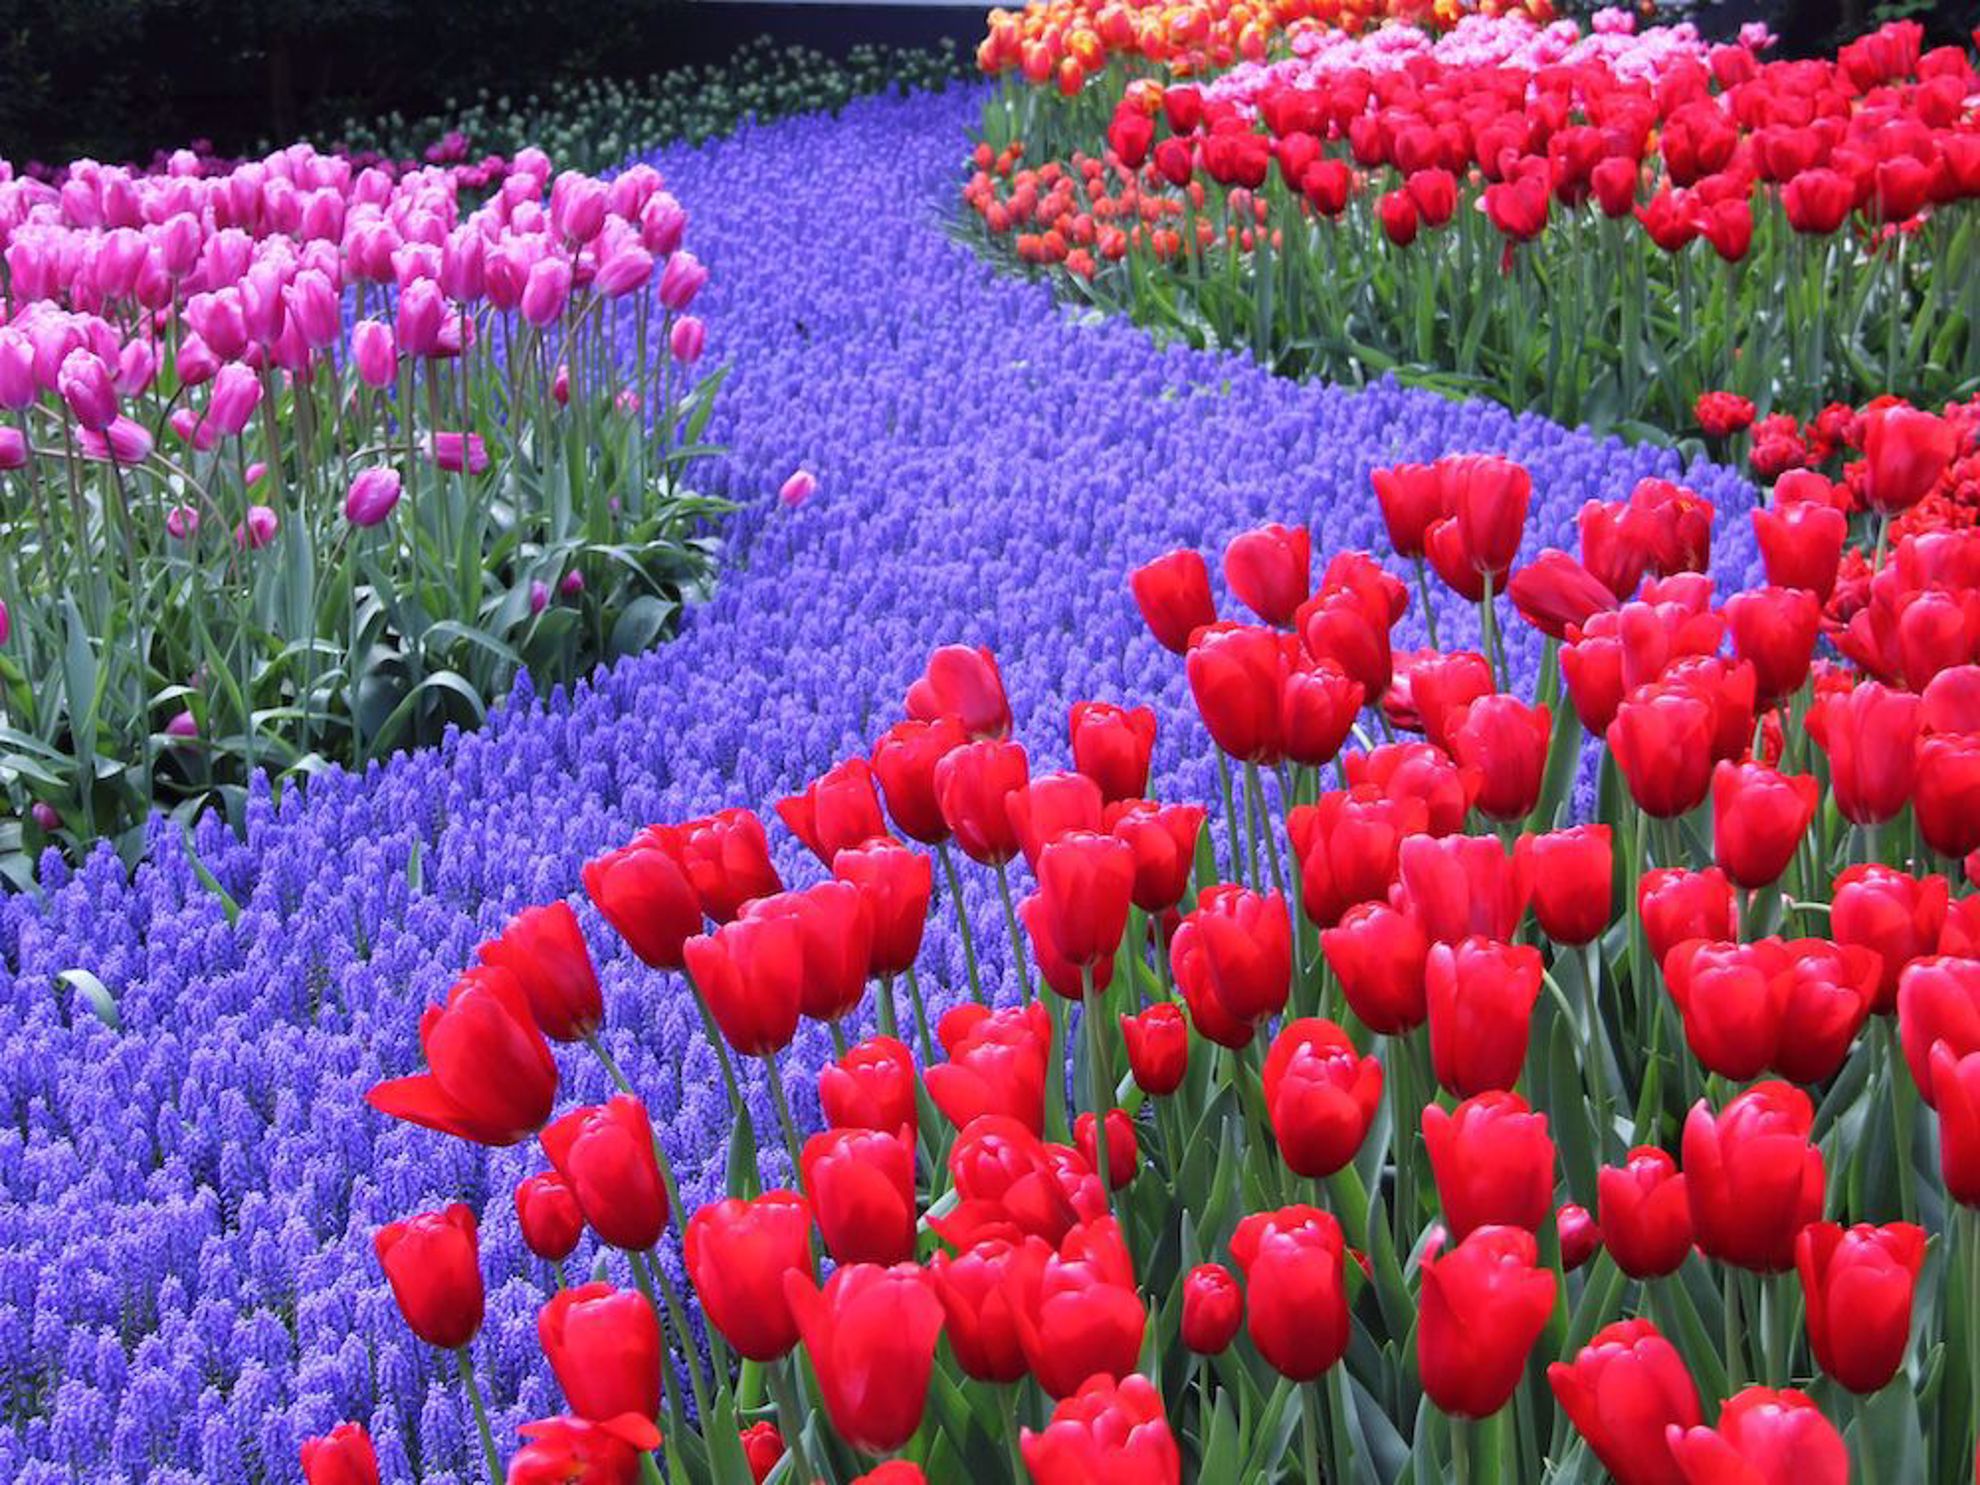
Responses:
[1759,817]
[1269,571]
[1123,1151]
[1645,1214]
[1349,845]
[1112,746]
[544,948]
[904,762]
[1581,1238]
[1078,1312]
[1488,496]
[1417,771]
[343,1456]
[1236,674]
[432,1262]
[1105,1431]
[1628,1385]
[762,1447]
[751,972]
[1556,594]
[840,808]
[1484,1304]
[1676,904]
[1441,686]
[605,1155]
[1662,739]
[1764,1437]
[1869,734]
[1774,629]
[1817,202]
[1859,1283]
[981,1326]
[972,784]
[1947,798]
[1801,545]
[1157,1048]
[870,1334]
[1212,1309]
[860,1183]
[1493,1161]
[1938,1001]
[1722,414]
[870,1087]
[1316,713]
[549,1216]
[963,683]
[895,885]
[1897,916]
[1461,886]
[737,1253]
[726,857]
[1732,998]
[643,891]
[1339,628]
[1173,593]
[1085,881]
[1294,1263]
[1752,1177]
[996,1065]
[604,1346]
[1399,217]
[1905,452]
[1411,497]
[1506,741]
[1955,1084]
[1238,944]
[1379,956]
[1052,805]
[564,1449]
[1831,991]
[1480,995]
[1163,838]
[490,1077]
[1571,871]
[1321,1096]
[1011,1183]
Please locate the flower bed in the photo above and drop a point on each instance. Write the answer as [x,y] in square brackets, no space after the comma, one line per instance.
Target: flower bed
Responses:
[211,1148]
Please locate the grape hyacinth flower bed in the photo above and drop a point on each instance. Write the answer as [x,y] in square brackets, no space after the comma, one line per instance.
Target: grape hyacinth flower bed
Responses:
[188,1173]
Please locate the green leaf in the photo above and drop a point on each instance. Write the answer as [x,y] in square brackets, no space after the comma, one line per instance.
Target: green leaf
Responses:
[94,994]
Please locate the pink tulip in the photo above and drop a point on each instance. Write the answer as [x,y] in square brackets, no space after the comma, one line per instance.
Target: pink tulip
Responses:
[236,394]
[373,495]
[680,281]
[798,488]
[375,353]
[457,452]
[86,387]
[687,339]
[258,529]
[546,292]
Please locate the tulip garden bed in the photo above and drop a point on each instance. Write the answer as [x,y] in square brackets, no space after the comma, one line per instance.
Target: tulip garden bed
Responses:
[1535,1036]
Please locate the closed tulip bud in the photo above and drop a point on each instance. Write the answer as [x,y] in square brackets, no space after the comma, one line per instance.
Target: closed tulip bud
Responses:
[1859,1283]
[1831,990]
[1084,884]
[839,809]
[604,1346]
[680,281]
[1622,1391]
[433,1264]
[1411,497]
[373,496]
[1581,1238]
[1480,995]
[1236,675]
[687,339]
[1340,629]
[1506,741]
[560,385]
[1764,1436]
[1112,746]
[1270,571]
[630,267]
[1212,1309]
[904,762]
[17,380]
[1759,817]
[86,386]
[1675,904]
[860,1184]
[1163,838]
[13,449]
[1294,1265]
[751,973]
[737,1253]
[547,1212]
[1662,739]
[1571,871]
[1317,708]
[1483,1305]
[963,683]
[1645,1214]
[1399,216]
[545,293]
[870,1323]
[1955,1087]
[762,1447]
[343,1456]
[458,453]
[1157,1043]
[1896,915]
[1938,1001]
[490,1077]
[1123,1151]
[1238,944]
[605,1155]
[1774,629]
[1752,1177]
[1379,956]
[1462,886]
[375,353]
[1173,593]
[1050,806]
[1320,1095]
[545,949]
[1732,998]
[895,884]
[1493,1162]
[1870,734]
[1488,496]
[726,858]
[643,892]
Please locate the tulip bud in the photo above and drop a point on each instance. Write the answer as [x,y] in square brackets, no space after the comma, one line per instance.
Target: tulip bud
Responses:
[433,1264]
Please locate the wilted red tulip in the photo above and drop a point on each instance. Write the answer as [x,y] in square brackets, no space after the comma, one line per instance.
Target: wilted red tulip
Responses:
[860,1183]
[737,1253]
[1752,1177]
[643,891]
[1052,805]
[1759,817]
[1484,1304]
[604,1346]
[963,683]
[972,784]
[1321,1096]
[1572,872]
[1905,451]
[1078,1312]
[1237,674]
[544,948]
[490,1077]
[1896,915]
[1157,1043]
[1212,1309]
[605,1155]
[1163,838]
[1623,1389]
[1859,1282]
[1378,955]
[1764,1436]
[433,1263]
[549,1216]
[1173,593]
[343,1456]
[1493,1161]
[1270,571]
[904,762]
[1238,944]
[1506,741]
[870,1087]
[1662,739]
[870,1334]
[751,972]
[1461,886]
[1644,1213]
[895,884]
[1480,995]
[1123,1151]
[996,1065]
[1112,746]
[1676,904]
[1294,1264]
[1870,735]
[1105,1431]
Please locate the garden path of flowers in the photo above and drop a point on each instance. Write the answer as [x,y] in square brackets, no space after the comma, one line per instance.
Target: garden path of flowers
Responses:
[189,1174]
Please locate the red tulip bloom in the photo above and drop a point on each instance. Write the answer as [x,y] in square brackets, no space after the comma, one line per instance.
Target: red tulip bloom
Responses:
[996,1065]
[1676,904]
[1628,1385]
[1506,741]
[1078,1312]
[1645,1214]
[1818,201]
[840,808]
[1571,871]
[1441,685]
[1556,594]
[1859,1283]
[1321,1096]
[1173,593]
[1009,1182]
[1237,674]
[1774,630]
[1399,217]
[860,1183]
[737,1253]
[1896,915]
[1938,1001]
[1411,497]
[1123,1150]
[1157,1048]
[981,1326]
[1317,711]
[1270,571]
[544,948]
[1764,1436]
[490,1077]
[433,1263]
[1722,414]
[1060,974]
[1488,496]
[1753,1179]
[1163,838]
[870,1334]
[972,784]
[1732,998]
[1905,452]
[1461,886]
[1238,944]
[870,1087]
[1493,1161]
[963,683]
[604,1346]
[1105,1431]
[1418,771]
[1801,545]
[1869,734]
[1759,817]
[726,857]
[564,1449]
[1349,845]
[1112,745]
[1662,739]
[1947,801]
[1484,1304]
[1294,1264]
[895,885]
[1085,881]
[343,1456]
[1831,989]
[1955,1084]
[1212,1309]
[605,1155]
[1340,628]
[1052,805]
[1480,995]
[548,1213]
[1379,956]
[762,1447]
[643,890]
[904,762]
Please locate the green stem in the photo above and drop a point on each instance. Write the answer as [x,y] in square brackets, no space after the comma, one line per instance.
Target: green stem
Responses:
[784,1119]
[1309,1434]
[786,1395]
[464,1366]
[1019,960]
[962,921]
[920,1017]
